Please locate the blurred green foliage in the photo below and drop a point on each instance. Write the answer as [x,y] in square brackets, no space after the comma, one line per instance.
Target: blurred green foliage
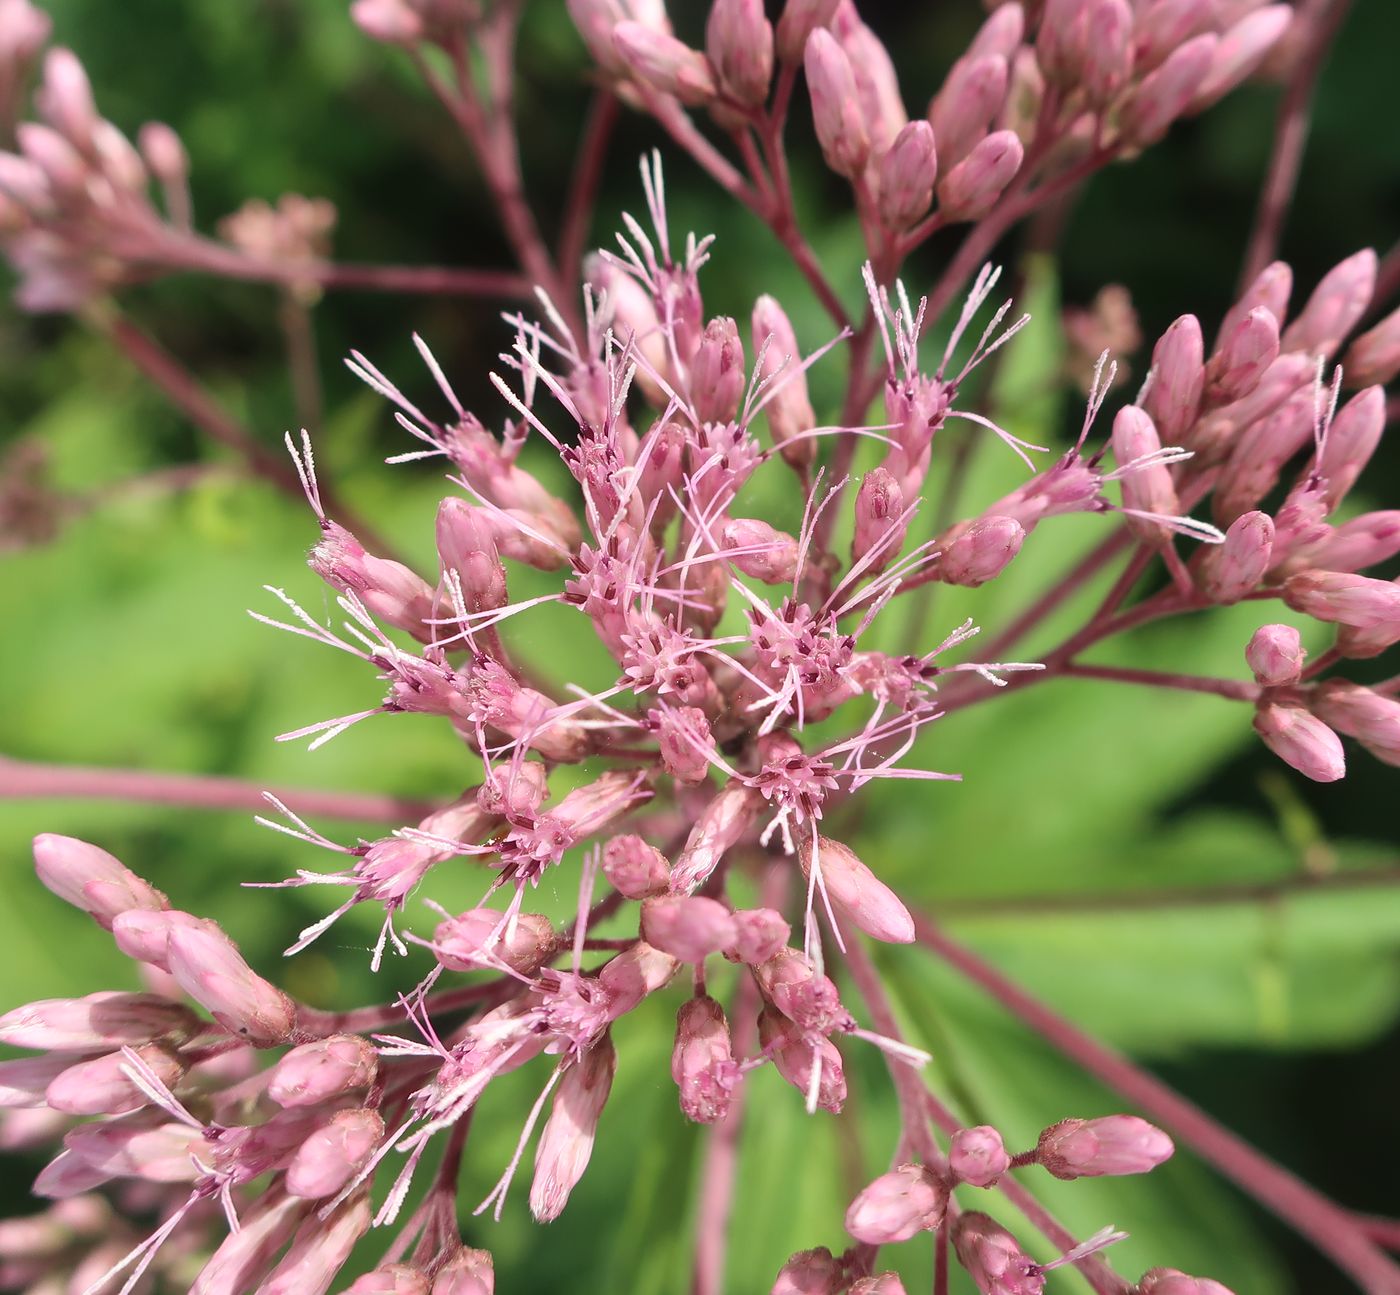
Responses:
[128,644]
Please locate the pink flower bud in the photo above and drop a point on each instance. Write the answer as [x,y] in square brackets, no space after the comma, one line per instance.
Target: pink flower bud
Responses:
[969,100]
[1374,357]
[836,108]
[717,372]
[1372,719]
[897,1205]
[881,1284]
[1259,455]
[1275,654]
[665,64]
[320,1249]
[880,523]
[1060,42]
[1351,440]
[795,1054]
[1233,569]
[567,1141]
[721,825]
[1113,1144]
[22,1082]
[739,43]
[132,1147]
[1336,304]
[334,1153]
[388,588]
[1171,1281]
[102,1087]
[468,1272]
[877,85]
[980,550]
[98,1022]
[1001,33]
[760,551]
[993,1259]
[635,973]
[466,545]
[1165,93]
[857,892]
[391,1279]
[801,993]
[391,22]
[1271,290]
[635,868]
[905,176]
[1162,25]
[210,970]
[91,879]
[1240,52]
[1147,489]
[322,1070]
[688,927]
[978,1156]
[242,1257]
[145,935]
[809,1272]
[1178,375]
[65,97]
[1302,741]
[702,1062]
[800,18]
[788,406]
[685,742]
[1354,545]
[1220,431]
[1108,60]
[759,934]
[461,943]
[1337,596]
[970,190]
[1243,357]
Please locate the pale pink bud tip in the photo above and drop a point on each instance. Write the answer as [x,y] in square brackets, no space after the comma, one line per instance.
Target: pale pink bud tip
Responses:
[209,968]
[688,927]
[1178,376]
[103,1087]
[566,1144]
[857,892]
[481,937]
[1164,94]
[91,879]
[1275,654]
[978,1156]
[980,551]
[665,63]
[1338,301]
[334,1154]
[809,1272]
[1370,717]
[1302,741]
[897,1205]
[759,934]
[992,1257]
[319,1071]
[906,176]
[717,372]
[1171,1281]
[1246,350]
[836,107]
[100,1021]
[739,42]
[970,190]
[1343,598]
[1113,1144]
[1232,569]
[635,868]
[1374,357]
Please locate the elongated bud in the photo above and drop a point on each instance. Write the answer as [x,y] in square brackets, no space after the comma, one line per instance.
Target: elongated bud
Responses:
[1336,304]
[1302,741]
[1244,356]
[800,18]
[905,176]
[243,1255]
[1231,570]
[800,992]
[91,879]
[969,100]
[1108,60]
[739,43]
[1351,440]
[857,892]
[1241,51]
[145,935]
[1275,654]
[635,973]
[880,523]
[95,1023]
[788,405]
[1060,42]
[1178,375]
[1372,719]
[993,1258]
[760,551]
[1219,432]
[1162,25]
[1025,92]
[877,85]
[978,1156]
[1146,489]
[970,190]
[103,1087]
[334,1153]
[65,97]
[322,1070]
[688,927]
[721,825]
[164,153]
[1362,642]
[717,372]
[388,588]
[391,1279]
[684,741]
[1271,290]
[797,1055]
[1354,545]
[466,545]
[635,868]
[1374,357]
[1259,456]
[1165,93]
[663,63]
[468,1272]
[1342,598]
[22,1082]
[1112,1144]
[898,1205]
[702,1062]
[320,1249]
[1172,1281]
[810,1272]
[836,107]
[567,1141]
[480,938]
[881,1284]
[209,968]
[980,551]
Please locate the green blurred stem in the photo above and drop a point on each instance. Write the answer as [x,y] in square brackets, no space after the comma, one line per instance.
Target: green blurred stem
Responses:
[29,780]
[1332,1229]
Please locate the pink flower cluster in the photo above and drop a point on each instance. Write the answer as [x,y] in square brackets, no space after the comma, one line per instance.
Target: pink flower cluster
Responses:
[749,690]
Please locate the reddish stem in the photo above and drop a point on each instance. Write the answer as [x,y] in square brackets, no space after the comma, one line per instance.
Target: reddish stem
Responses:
[583,186]
[1231,688]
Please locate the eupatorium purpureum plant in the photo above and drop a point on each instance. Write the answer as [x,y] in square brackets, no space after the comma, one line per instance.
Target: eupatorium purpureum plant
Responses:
[759,567]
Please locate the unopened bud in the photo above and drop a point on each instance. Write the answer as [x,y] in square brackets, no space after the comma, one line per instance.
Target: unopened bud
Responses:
[857,892]
[1343,598]
[1259,455]
[65,97]
[1374,357]
[635,868]
[1271,289]
[800,992]
[1178,375]
[483,938]
[993,1258]
[103,1087]
[391,1279]
[787,404]
[1302,741]
[1113,1144]
[468,1272]
[810,1272]
[389,589]
[800,18]
[241,1259]
[324,1069]
[702,1062]
[796,1055]
[664,63]
[978,1156]
[898,1205]
[970,190]
[97,1022]
[209,968]
[145,935]
[466,545]
[1351,440]
[760,551]
[91,879]
[1166,92]
[1233,569]
[880,1284]
[836,108]
[1243,357]
[23,1081]
[880,521]
[1368,716]
[1275,654]
[1172,1281]
[1108,60]
[905,177]
[391,22]
[966,105]
[334,1153]
[717,372]
[739,43]
[1354,545]
[567,1141]
[1148,488]
[688,927]
[759,934]
[1220,432]
[1336,304]
[877,85]
[318,1252]
[1241,50]
[980,550]
[1060,42]
[720,826]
